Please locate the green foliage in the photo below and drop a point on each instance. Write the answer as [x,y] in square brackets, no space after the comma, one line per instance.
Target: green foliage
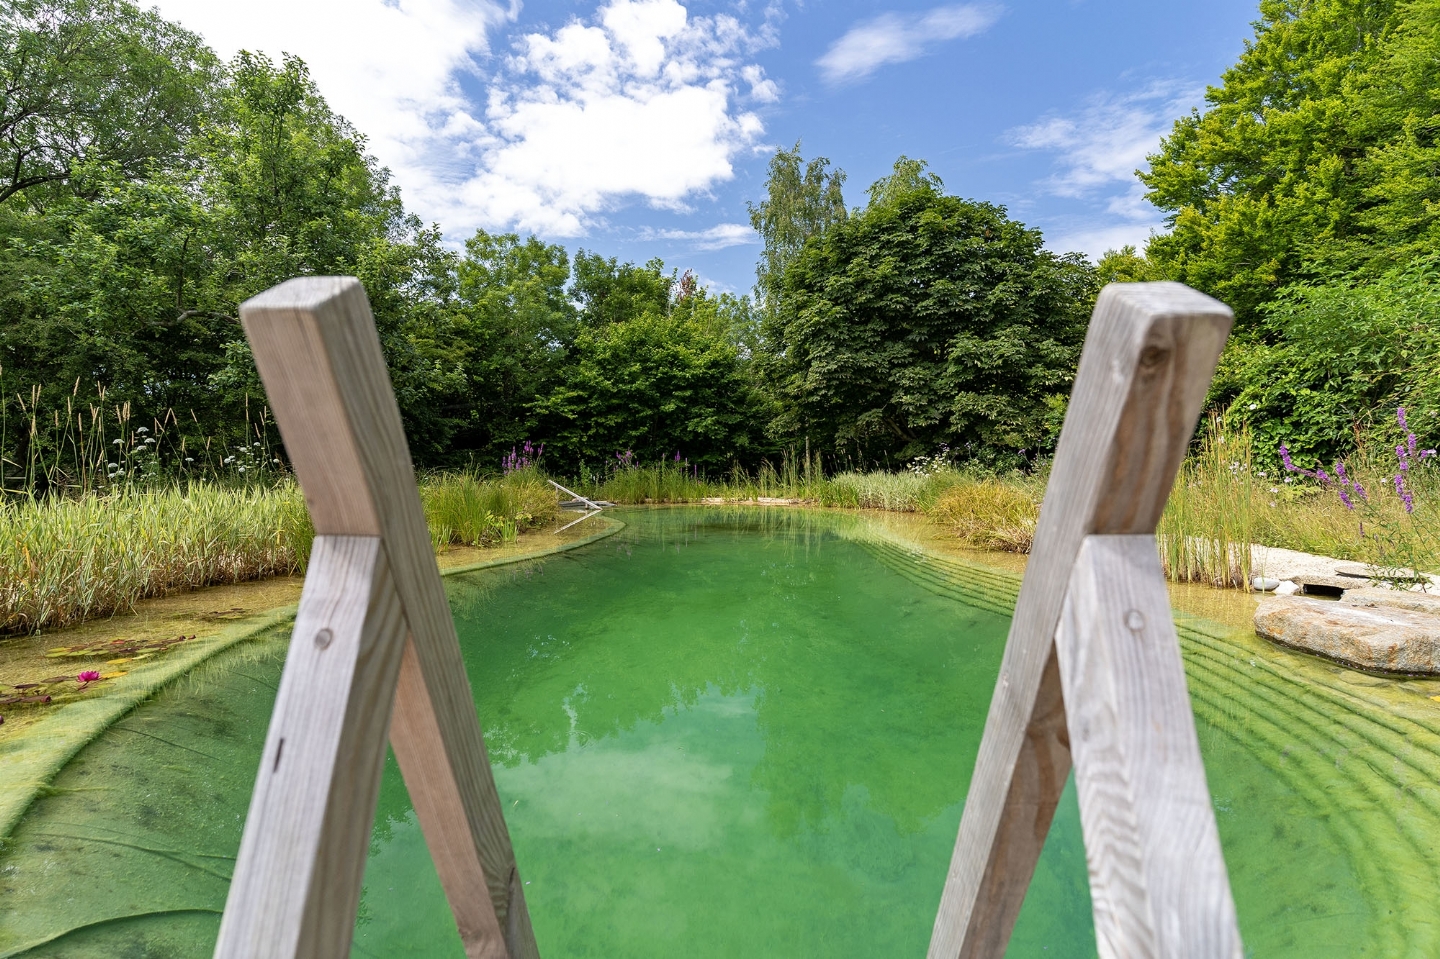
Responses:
[802,200]
[515,326]
[94,83]
[610,292]
[925,320]
[1317,155]
[1334,363]
[1125,265]
[654,385]
[133,286]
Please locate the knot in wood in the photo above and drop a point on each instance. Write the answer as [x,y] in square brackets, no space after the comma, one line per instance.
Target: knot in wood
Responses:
[323,638]
[1134,620]
[1153,356]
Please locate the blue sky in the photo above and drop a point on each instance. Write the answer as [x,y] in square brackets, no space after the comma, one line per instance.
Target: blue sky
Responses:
[640,128]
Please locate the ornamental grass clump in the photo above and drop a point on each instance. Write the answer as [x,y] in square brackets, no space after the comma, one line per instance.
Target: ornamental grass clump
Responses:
[991,512]
[627,482]
[1205,532]
[464,509]
[900,492]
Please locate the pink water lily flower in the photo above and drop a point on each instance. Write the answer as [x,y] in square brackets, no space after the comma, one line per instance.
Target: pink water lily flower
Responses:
[88,676]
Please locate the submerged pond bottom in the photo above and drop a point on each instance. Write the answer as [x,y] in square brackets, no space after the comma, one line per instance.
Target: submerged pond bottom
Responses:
[739,733]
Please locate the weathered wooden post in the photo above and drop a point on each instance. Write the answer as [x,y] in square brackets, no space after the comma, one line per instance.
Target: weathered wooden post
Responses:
[374,651]
[1092,665]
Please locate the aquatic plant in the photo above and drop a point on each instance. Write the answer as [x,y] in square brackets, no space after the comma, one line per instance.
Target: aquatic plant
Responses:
[465,509]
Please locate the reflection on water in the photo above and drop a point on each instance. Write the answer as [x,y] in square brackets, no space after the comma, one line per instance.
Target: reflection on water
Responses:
[731,733]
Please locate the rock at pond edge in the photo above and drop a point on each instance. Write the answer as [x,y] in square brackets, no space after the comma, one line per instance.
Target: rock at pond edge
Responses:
[1367,637]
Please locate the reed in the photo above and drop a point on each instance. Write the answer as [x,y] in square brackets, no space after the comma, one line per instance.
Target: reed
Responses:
[466,509]
[1206,530]
[66,559]
[798,478]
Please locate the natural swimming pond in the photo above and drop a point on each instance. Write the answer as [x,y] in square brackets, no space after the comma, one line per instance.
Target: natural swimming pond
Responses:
[745,732]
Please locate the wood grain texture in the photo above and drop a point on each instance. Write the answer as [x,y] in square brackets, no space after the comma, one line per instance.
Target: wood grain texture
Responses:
[318,353]
[1157,878]
[302,856]
[1148,358]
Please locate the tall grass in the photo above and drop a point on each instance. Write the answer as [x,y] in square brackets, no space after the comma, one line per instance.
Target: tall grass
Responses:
[57,443]
[796,478]
[1222,502]
[64,559]
[1208,524]
[463,509]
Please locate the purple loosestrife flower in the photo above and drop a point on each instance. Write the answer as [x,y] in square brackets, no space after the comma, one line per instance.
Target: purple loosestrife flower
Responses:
[1410,442]
[1400,484]
[1285,458]
[1345,498]
[1340,471]
[1322,476]
[1408,500]
[1400,417]
[1425,453]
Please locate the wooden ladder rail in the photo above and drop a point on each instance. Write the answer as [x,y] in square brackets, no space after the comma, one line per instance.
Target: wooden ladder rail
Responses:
[374,650]
[1092,665]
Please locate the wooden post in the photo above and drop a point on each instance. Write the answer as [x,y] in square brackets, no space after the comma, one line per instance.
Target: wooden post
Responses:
[1115,691]
[374,629]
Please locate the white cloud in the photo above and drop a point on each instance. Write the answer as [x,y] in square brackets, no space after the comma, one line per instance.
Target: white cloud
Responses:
[1108,139]
[1097,150]
[717,237]
[642,102]
[1096,241]
[895,38]
[391,67]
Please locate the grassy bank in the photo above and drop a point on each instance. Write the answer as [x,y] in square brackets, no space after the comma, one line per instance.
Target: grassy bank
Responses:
[1221,502]
[794,480]
[65,559]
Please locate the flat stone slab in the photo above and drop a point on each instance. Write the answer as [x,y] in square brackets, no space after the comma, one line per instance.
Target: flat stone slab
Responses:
[1428,603]
[1381,638]
[1316,584]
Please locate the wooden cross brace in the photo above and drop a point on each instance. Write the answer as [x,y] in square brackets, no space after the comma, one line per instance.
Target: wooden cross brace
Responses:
[374,651]
[1092,665]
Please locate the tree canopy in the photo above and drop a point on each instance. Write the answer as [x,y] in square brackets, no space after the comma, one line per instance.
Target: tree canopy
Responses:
[923,320]
[94,83]
[1316,158]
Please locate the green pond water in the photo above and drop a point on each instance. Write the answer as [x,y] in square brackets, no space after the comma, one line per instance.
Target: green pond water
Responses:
[728,732]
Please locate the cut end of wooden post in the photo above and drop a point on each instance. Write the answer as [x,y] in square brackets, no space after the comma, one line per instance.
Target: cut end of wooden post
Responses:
[318,354]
